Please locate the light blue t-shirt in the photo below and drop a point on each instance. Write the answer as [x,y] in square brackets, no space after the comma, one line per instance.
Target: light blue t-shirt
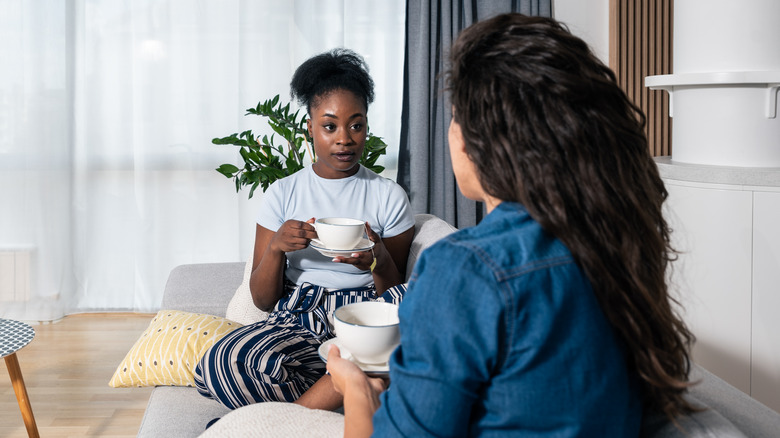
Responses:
[365,196]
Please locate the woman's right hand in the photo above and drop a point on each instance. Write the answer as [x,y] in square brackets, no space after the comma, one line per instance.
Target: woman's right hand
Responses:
[361,394]
[346,374]
[293,235]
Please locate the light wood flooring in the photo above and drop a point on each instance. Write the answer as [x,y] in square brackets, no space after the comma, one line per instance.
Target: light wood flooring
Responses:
[66,369]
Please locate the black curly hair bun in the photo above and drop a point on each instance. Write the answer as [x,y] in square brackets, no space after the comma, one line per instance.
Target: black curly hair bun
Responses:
[338,69]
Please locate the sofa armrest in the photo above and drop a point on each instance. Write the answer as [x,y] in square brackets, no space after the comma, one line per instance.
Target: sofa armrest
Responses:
[726,412]
[202,288]
[749,415]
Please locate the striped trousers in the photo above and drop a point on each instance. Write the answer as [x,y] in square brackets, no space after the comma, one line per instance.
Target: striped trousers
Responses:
[277,359]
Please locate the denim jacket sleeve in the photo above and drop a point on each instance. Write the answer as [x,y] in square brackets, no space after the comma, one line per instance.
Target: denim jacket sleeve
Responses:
[451,335]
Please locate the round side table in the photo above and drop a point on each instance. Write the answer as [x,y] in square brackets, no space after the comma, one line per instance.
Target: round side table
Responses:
[15,335]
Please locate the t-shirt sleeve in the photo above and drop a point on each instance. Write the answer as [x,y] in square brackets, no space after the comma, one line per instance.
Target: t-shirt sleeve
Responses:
[398,212]
[270,215]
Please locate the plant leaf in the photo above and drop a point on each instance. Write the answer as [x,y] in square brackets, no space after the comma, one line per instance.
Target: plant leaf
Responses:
[227,169]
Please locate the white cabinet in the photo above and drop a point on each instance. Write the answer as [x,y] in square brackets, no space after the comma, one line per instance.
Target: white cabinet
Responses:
[712,231]
[765,376]
[728,279]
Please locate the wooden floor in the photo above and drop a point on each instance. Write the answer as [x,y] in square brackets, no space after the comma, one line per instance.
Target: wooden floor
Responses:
[67,368]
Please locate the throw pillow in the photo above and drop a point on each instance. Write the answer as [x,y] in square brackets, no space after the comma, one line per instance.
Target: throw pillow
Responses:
[241,308]
[170,348]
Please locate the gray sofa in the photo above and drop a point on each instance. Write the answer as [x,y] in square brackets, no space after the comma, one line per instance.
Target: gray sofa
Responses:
[208,288]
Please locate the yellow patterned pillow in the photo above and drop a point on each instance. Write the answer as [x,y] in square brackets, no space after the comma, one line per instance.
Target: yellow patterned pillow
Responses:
[170,348]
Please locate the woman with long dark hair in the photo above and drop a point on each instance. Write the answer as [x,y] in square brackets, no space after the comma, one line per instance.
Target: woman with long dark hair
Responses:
[558,321]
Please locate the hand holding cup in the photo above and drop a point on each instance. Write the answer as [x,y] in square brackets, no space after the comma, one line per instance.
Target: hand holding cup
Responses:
[339,232]
[368,330]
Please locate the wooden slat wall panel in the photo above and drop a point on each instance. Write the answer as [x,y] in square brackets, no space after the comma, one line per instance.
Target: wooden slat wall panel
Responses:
[640,45]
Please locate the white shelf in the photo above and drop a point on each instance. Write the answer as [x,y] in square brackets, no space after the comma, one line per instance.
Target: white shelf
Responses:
[768,79]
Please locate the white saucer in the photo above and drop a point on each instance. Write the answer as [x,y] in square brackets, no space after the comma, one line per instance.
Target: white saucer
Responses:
[375,369]
[363,245]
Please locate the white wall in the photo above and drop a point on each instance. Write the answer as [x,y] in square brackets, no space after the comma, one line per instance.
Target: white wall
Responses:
[588,20]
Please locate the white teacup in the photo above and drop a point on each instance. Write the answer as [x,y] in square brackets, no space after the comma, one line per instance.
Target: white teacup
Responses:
[339,232]
[368,330]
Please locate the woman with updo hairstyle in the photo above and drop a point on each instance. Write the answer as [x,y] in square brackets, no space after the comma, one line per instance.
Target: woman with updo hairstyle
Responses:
[335,70]
[558,321]
[277,359]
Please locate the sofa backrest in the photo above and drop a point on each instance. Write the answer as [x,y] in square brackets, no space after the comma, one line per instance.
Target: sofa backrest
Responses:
[428,229]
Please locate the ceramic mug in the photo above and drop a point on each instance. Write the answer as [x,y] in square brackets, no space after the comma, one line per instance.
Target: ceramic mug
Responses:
[368,330]
[339,232]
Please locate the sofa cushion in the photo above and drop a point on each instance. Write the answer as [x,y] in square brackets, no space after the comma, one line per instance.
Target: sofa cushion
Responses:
[170,348]
[178,412]
[278,419]
[242,308]
[428,229]
[202,287]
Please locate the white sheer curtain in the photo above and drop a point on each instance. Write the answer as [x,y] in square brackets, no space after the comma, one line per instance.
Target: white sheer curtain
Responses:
[107,111]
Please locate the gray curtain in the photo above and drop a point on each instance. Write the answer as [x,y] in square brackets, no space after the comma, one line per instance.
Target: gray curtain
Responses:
[424,167]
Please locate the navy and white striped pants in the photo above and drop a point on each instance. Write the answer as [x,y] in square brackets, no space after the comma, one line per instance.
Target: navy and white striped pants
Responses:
[277,359]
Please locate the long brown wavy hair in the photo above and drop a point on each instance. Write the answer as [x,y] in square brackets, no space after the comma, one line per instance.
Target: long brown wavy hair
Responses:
[547,126]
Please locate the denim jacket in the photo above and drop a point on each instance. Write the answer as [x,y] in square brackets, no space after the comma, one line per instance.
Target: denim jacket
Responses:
[502,335]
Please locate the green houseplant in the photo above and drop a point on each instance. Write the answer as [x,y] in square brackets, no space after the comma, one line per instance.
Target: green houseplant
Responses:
[266,162]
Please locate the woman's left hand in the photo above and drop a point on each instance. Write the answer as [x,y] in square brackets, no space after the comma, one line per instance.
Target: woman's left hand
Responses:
[363,260]
[386,260]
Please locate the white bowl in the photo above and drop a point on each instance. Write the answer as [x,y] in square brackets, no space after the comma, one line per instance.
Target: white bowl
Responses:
[339,233]
[368,330]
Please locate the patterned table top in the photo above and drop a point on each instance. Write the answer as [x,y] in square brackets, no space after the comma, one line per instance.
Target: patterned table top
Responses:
[14,335]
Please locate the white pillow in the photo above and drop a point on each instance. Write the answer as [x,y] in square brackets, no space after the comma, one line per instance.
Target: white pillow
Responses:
[241,308]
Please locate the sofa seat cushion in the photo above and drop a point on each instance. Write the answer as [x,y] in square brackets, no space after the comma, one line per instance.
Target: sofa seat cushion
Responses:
[278,419]
[178,412]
